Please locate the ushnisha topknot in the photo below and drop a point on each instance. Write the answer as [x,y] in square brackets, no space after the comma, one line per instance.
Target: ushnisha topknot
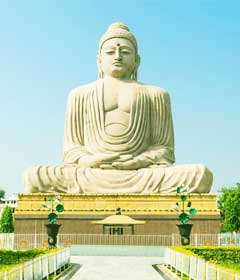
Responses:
[118,30]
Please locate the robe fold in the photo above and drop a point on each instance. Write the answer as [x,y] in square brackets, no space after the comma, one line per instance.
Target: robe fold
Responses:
[149,136]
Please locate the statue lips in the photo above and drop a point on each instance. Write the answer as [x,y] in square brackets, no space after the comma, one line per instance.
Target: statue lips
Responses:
[118,63]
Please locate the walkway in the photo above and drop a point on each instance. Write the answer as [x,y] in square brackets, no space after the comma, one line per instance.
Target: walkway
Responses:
[116,268]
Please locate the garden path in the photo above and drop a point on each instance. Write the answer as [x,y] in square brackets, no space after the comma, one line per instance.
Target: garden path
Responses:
[116,268]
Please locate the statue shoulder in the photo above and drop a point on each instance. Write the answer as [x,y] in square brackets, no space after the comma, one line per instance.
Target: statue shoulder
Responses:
[157,92]
[81,90]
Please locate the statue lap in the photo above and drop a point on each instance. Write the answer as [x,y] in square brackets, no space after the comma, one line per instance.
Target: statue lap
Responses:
[67,179]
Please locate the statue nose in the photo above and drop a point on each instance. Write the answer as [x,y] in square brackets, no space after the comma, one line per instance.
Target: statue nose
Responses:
[118,56]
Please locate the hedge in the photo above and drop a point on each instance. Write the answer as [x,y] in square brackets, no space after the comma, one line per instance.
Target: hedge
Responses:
[225,256]
[9,257]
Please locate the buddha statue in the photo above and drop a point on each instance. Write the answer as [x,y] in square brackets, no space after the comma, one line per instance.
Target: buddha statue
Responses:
[119,133]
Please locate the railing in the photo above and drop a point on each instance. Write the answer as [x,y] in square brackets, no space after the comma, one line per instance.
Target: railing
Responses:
[7,240]
[39,267]
[197,268]
[29,241]
[106,239]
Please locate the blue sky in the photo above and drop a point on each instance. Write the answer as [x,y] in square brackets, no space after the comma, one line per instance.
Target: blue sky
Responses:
[190,48]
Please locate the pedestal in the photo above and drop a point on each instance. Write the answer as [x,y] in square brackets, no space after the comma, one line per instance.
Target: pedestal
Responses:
[80,209]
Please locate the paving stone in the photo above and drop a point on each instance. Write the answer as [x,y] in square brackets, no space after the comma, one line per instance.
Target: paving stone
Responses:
[116,268]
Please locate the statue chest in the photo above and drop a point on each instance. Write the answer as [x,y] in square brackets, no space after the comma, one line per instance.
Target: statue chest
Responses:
[117,99]
[117,107]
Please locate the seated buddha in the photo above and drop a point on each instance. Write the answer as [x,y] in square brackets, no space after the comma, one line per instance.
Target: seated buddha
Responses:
[119,133]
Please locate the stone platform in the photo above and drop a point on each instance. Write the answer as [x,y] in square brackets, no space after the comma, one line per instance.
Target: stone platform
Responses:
[80,209]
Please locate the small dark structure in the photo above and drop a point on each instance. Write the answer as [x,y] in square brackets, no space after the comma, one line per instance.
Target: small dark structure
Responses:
[52,232]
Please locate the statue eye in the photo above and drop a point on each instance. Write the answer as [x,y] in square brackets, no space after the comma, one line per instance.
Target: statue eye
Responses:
[110,52]
[125,52]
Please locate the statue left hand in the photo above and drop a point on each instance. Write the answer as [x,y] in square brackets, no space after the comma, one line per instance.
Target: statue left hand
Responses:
[132,163]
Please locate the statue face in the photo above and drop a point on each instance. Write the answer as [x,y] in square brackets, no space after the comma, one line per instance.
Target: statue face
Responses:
[117,58]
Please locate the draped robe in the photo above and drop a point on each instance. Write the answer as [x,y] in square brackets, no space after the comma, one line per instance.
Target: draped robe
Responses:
[149,136]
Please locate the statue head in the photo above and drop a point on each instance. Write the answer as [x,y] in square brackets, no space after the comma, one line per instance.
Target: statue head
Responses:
[118,53]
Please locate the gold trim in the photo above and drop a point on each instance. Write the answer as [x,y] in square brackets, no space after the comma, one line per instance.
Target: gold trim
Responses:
[106,204]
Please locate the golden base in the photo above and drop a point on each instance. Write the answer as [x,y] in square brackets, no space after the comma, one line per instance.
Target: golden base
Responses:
[106,204]
[81,209]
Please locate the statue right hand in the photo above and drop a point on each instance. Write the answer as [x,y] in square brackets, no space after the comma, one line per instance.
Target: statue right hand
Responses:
[121,158]
[94,161]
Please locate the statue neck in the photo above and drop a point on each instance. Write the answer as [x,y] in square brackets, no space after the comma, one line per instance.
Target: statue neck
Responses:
[113,79]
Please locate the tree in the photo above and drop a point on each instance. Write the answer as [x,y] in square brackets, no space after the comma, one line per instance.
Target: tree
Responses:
[2,194]
[6,221]
[229,205]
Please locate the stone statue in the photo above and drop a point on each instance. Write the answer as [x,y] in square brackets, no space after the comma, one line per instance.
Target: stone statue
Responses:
[119,133]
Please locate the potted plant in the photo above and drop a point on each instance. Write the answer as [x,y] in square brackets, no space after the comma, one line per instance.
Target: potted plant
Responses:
[186,212]
[53,205]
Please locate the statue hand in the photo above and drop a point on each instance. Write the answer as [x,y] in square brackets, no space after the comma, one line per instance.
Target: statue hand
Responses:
[124,158]
[95,161]
[131,164]
[121,158]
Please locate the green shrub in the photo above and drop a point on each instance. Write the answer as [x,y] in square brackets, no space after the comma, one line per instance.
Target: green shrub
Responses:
[8,257]
[229,205]
[228,257]
[217,254]
[2,194]
[6,221]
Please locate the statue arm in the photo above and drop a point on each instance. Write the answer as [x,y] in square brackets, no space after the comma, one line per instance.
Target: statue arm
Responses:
[157,155]
[73,136]
[74,150]
[161,151]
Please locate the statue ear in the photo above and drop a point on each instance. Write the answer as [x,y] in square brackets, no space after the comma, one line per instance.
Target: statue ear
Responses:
[134,75]
[100,72]
[99,60]
[138,60]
